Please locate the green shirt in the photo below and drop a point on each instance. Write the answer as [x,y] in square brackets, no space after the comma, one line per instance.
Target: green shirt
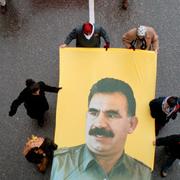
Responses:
[78,163]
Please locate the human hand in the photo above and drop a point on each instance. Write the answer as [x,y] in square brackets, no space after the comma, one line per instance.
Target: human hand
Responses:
[133,48]
[133,45]
[11,113]
[107,45]
[59,88]
[63,45]
[173,116]
[156,51]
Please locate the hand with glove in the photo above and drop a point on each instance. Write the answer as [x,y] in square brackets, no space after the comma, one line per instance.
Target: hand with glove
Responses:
[59,88]
[107,45]
[133,45]
[11,113]
[173,116]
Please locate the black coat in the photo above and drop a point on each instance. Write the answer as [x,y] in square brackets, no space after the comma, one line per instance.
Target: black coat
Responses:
[172,144]
[156,110]
[35,105]
[48,147]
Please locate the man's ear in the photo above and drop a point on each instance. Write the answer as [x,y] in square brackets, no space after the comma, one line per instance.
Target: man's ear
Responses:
[132,124]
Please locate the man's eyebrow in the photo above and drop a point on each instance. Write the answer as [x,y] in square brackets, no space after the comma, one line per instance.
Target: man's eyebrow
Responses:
[92,109]
[112,111]
[115,113]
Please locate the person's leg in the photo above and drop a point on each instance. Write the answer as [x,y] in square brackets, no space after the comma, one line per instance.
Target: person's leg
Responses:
[168,163]
[40,118]
[3,6]
[157,127]
[125,4]
[159,124]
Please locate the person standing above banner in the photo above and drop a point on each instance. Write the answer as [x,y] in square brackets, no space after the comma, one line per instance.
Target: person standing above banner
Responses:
[142,37]
[87,35]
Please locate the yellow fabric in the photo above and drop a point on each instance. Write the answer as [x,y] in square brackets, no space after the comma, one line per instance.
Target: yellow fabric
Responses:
[80,68]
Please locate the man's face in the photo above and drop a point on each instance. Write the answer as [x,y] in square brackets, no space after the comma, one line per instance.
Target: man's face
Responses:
[36,93]
[108,123]
[88,33]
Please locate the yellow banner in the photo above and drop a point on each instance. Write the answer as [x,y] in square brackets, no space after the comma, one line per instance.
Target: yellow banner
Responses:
[80,68]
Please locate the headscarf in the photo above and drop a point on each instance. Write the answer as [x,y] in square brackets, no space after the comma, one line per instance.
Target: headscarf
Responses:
[33,142]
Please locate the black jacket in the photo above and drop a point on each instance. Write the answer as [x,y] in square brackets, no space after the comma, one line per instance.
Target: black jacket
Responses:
[172,144]
[158,114]
[48,148]
[33,104]
[156,110]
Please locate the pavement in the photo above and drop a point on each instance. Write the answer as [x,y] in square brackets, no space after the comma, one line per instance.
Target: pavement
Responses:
[30,34]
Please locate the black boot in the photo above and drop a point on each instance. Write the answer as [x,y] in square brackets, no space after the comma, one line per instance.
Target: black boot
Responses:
[41,122]
[164,173]
[3,9]
[125,4]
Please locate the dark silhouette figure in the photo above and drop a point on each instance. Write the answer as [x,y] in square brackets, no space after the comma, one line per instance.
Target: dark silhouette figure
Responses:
[34,99]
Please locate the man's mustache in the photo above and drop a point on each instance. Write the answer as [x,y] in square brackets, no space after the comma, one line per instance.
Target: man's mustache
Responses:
[101,132]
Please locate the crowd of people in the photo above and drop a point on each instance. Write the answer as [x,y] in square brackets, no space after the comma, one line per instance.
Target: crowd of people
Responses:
[40,150]
[89,35]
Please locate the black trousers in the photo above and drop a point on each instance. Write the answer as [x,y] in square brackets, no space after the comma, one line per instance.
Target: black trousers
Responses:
[168,163]
[39,116]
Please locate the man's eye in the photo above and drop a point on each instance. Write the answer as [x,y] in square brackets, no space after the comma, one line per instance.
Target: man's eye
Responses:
[93,113]
[113,115]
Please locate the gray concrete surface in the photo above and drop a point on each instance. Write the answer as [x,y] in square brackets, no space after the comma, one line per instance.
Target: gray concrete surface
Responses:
[30,34]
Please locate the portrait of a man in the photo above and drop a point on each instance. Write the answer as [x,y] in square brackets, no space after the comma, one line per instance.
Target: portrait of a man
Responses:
[110,118]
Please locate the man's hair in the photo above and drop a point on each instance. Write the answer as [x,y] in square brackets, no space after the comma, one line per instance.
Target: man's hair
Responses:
[111,85]
[172,101]
[29,82]
[35,87]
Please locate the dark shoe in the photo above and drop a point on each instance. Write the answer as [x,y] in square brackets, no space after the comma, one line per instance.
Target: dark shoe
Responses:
[40,124]
[3,9]
[164,173]
[125,4]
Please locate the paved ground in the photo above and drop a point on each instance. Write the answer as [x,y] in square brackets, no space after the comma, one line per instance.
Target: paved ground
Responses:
[30,34]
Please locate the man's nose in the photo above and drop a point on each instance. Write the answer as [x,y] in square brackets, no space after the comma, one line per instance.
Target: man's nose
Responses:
[101,120]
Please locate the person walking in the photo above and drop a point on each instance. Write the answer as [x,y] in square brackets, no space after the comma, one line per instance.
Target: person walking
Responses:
[3,5]
[34,99]
[172,150]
